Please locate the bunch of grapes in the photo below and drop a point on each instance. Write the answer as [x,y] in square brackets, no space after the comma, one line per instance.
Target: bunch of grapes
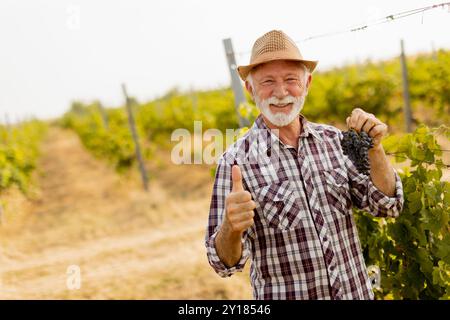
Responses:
[356,147]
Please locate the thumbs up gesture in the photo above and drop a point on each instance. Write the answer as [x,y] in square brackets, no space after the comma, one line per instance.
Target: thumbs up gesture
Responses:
[238,205]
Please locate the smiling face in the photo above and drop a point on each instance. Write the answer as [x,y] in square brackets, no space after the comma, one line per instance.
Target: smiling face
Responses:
[279,89]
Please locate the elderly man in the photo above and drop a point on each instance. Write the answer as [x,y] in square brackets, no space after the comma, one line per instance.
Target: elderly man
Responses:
[294,219]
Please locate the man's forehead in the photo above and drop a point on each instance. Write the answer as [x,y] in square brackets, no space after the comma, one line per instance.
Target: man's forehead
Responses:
[278,67]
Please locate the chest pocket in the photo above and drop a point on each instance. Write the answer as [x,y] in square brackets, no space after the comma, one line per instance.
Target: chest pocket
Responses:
[280,205]
[337,190]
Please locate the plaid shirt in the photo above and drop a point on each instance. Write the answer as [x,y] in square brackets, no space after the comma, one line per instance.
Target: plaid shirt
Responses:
[304,242]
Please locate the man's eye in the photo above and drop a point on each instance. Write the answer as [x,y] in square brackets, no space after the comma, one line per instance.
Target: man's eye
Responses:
[291,79]
[268,82]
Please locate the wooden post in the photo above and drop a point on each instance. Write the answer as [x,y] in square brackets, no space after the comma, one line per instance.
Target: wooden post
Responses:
[236,85]
[406,100]
[135,138]
[433,50]
[103,114]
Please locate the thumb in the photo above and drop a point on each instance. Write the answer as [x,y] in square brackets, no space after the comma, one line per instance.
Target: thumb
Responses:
[236,177]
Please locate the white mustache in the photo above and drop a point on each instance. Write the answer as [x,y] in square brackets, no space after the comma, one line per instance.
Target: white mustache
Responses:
[285,100]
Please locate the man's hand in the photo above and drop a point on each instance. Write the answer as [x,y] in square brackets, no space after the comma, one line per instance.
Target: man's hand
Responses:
[363,121]
[238,205]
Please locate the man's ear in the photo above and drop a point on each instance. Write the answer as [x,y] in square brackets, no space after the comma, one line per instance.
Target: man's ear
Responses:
[308,82]
[249,88]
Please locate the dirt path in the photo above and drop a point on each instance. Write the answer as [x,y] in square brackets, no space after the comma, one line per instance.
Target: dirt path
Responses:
[126,243]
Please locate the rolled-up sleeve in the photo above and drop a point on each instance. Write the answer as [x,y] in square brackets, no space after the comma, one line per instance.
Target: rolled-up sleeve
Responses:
[366,196]
[218,265]
[222,187]
[383,205]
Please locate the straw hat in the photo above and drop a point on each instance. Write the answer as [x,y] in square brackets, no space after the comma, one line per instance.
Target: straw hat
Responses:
[274,45]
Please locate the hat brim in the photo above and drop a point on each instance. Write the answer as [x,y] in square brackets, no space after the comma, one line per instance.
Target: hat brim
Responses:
[245,70]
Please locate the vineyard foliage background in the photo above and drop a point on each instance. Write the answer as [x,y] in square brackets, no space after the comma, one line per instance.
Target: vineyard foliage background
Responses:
[19,150]
[412,251]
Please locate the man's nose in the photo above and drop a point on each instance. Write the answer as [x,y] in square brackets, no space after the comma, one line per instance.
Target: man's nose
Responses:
[280,91]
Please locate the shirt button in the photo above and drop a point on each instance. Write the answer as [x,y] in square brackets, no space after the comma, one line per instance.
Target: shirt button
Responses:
[331,268]
[325,239]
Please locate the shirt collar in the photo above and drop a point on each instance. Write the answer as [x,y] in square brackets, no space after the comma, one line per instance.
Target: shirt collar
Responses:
[307,130]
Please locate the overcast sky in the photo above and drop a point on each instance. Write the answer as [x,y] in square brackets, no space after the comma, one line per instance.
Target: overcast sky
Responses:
[53,52]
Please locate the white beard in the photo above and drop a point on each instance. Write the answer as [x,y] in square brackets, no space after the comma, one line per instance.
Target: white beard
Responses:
[280,119]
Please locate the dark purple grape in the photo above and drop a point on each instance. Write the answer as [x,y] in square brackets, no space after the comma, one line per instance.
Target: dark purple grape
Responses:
[356,147]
